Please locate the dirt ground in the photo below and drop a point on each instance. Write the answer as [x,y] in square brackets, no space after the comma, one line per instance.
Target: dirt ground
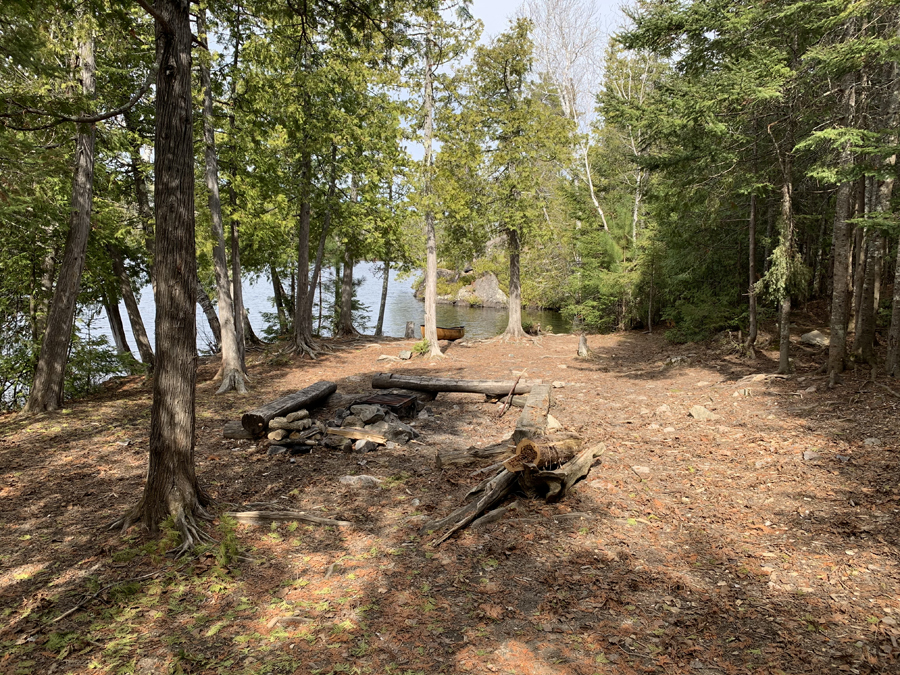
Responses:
[765,541]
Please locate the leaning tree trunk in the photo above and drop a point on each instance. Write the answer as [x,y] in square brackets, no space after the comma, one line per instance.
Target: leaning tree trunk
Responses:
[278,296]
[116,327]
[232,370]
[145,349]
[210,312]
[172,488]
[514,328]
[434,350]
[379,325]
[47,387]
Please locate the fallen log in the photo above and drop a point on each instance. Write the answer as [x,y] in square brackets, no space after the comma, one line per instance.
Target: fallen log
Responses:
[517,401]
[553,485]
[263,517]
[472,455]
[542,453]
[494,492]
[257,421]
[356,434]
[440,384]
[235,430]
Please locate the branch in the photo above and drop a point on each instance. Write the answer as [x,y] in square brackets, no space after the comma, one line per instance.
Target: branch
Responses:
[160,19]
[91,119]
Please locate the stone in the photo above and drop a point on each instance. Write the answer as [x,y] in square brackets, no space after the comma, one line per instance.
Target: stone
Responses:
[346,445]
[558,384]
[814,338]
[387,357]
[368,414]
[669,430]
[352,421]
[810,455]
[553,424]
[276,450]
[393,430]
[360,482]
[664,409]
[872,441]
[698,412]
[363,446]
[487,288]
[298,415]
[643,470]
[405,355]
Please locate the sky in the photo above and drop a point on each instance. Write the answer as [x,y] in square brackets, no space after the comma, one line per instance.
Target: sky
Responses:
[496,14]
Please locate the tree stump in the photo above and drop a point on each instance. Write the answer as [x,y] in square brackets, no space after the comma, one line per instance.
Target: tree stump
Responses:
[542,453]
[410,330]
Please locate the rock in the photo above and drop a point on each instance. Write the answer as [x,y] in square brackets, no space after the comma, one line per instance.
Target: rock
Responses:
[368,414]
[276,450]
[559,384]
[653,426]
[872,441]
[298,415]
[669,430]
[386,357]
[352,421]
[405,355]
[340,414]
[664,409]
[487,289]
[423,415]
[810,455]
[702,383]
[643,470]
[346,445]
[360,482]
[698,412]
[393,430]
[363,446]
[815,338]
[553,424]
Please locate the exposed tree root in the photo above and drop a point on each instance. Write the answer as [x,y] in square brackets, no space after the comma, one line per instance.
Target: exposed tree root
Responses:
[233,379]
[185,521]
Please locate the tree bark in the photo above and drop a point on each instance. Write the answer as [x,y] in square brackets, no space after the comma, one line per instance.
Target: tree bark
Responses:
[864,340]
[752,329]
[379,325]
[210,312]
[434,350]
[115,323]
[131,307]
[345,322]
[232,370]
[278,295]
[840,246]
[514,328]
[47,387]
[172,488]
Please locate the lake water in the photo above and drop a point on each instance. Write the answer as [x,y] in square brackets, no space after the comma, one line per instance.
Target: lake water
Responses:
[401,307]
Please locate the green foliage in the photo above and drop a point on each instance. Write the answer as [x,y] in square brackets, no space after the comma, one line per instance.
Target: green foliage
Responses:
[421,348]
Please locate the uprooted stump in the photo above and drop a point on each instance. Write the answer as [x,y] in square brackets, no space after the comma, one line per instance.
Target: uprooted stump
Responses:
[532,479]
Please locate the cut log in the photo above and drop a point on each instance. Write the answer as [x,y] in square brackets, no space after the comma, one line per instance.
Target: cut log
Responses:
[356,434]
[263,517]
[584,352]
[257,421]
[553,485]
[542,453]
[439,384]
[236,430]
[472,455]
[533,420]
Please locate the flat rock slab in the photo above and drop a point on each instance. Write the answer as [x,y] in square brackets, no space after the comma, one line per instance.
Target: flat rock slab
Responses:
[533,420]
[698,412]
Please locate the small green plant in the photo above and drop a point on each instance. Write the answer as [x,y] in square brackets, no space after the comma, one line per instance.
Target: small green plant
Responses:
[421,348]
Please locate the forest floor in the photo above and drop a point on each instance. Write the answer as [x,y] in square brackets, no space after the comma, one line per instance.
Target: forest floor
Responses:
[765,541]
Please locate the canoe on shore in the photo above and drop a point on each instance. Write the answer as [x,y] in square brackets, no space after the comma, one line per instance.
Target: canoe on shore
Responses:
[452,333]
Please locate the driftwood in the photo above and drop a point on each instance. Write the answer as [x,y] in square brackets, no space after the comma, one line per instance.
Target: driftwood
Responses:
[440,384]
[553,485]
[263,517]
[542,453]
[356,434]
[257,421]
[236,430]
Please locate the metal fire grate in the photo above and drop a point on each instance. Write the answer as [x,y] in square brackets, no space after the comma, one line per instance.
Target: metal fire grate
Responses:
[402,405]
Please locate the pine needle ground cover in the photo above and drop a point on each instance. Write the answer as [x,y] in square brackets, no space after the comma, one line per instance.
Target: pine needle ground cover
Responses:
[761,540]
